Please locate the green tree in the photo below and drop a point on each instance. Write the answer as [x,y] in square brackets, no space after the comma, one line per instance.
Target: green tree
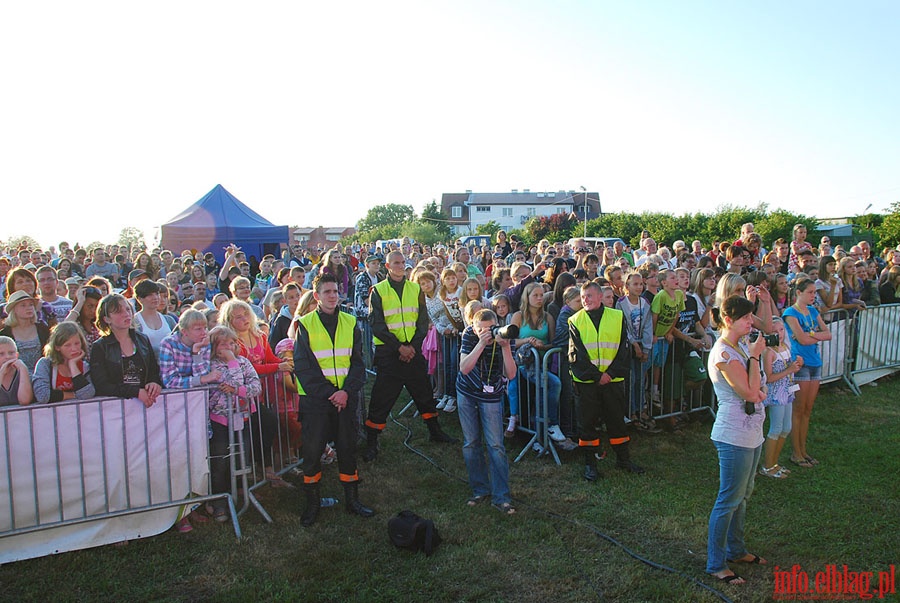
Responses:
[490,228]
[133,237]
[557,227]
[423,232]
[26,241]
[392,214]
[432,214]
[889,230]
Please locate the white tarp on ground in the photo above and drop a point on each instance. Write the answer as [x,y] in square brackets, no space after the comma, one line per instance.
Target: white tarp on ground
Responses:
[61,462]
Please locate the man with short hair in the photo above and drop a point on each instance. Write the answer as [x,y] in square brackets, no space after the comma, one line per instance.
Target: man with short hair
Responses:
[783,251]
[599,362]
[399,321]
[649,247]
[100,267]
[48,285]
[328,363]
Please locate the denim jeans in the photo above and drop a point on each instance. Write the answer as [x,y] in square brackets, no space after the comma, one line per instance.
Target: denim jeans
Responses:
[477,418]
[737,469]
[637,386]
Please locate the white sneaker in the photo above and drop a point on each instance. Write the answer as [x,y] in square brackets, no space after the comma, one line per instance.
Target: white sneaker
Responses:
[441,403]
[451,405]
[556,433]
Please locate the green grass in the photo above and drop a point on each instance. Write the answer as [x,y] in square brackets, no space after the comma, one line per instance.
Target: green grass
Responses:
[846,511]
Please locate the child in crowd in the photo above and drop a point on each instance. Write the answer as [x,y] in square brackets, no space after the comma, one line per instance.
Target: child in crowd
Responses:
[62,374]
[797,245]
[471,310]
[666,306]
[287,395]
[239,383]
[500,305]
[471,291]
[650,273]
[450,293]
[639,328]
[780,294]
[780,369]
[607,296]
[15,381]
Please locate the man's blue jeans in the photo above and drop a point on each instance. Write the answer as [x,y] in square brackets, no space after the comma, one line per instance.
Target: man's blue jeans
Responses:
[737,470]
[485,418]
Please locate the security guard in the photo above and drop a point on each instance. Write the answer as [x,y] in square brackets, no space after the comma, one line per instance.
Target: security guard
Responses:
[399,321]
[329,365]
[599,362]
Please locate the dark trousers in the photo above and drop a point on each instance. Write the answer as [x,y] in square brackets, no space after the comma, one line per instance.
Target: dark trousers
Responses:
[320,420]
[392,376]
[601,403]
[262,425]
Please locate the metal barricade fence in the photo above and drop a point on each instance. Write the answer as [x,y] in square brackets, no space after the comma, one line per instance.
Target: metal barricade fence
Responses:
[683,385]
[70,464]
[274,439]
[529,390]
[837,354]
[877,350]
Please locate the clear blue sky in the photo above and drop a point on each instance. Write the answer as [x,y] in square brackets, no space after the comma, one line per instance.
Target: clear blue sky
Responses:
[116,114]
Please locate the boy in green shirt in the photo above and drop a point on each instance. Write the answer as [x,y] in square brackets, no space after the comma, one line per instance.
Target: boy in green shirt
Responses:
[666,306]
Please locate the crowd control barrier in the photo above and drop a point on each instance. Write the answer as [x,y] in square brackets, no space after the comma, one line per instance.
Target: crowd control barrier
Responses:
[681,391]
[252,465]
[87,473]
[531,387]
[837,354]
[877,352]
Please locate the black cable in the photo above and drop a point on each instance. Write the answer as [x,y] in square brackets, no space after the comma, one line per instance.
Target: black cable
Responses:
[574,522]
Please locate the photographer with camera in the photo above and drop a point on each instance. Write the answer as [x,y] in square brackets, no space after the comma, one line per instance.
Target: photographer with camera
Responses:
[485,367]
[739,382]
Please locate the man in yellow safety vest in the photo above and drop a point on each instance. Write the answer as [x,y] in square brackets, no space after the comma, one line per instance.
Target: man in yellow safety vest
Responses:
[328,362]
[599,364]
[399,321]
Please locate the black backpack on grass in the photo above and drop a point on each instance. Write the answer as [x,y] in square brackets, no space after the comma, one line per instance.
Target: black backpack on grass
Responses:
[409,531]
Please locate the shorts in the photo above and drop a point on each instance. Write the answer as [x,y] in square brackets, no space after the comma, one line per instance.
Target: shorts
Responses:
[808,373]
[660,352]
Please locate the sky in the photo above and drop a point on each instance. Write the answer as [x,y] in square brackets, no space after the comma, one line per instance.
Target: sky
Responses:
[118,114]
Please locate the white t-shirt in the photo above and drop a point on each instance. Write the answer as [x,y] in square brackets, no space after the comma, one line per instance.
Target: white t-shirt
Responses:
[733,425]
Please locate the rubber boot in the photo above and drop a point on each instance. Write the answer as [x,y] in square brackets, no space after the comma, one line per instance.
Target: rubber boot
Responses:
[438,434]
[371,450]
[313,503]
[623,459]
[590,465]
[352,504]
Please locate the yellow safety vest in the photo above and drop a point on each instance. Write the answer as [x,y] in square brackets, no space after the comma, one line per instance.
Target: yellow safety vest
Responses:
[400,315]
[333,356]
[602,344]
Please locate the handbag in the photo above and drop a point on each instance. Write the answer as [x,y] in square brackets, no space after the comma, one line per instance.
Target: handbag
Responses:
[413,533]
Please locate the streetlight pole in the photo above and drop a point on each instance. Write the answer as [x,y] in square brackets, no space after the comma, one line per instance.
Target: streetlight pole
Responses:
[584,191]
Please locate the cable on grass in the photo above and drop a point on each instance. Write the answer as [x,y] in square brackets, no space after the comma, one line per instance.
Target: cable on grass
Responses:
[580,524]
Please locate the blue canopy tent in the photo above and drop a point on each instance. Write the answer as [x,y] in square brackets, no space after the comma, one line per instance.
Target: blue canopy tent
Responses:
[216,221]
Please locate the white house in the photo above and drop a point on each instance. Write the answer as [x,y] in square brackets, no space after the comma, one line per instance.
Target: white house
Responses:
[513,209]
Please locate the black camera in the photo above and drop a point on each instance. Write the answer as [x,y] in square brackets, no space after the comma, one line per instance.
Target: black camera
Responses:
[507,332]
[771,340]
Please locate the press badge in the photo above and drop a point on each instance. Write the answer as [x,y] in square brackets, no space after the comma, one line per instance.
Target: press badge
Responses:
[488,389]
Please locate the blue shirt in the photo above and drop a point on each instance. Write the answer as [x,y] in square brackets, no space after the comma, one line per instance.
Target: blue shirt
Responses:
[810,324]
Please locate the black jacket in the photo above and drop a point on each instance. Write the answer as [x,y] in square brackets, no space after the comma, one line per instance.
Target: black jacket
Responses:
[106,365]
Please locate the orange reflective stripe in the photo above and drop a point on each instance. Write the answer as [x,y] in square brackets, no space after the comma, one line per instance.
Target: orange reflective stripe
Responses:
[428,415]
[348,477]
[378,426]
[312,479]
[617,441]
[588,442]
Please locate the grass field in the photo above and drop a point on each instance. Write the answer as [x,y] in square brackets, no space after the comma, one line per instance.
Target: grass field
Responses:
[556,548]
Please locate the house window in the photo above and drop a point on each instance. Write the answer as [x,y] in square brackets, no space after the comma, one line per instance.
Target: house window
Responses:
[531,212]
[333,237]
[482,208]
[507,212]
[456,211]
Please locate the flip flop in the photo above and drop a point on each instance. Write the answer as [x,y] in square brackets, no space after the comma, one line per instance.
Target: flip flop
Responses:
[476,500]
[802,463]
[756,560]
[811,460]
[505,508]
[730,578]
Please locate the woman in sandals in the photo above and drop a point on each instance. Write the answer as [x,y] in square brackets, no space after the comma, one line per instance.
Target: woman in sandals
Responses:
[806,329]
[485,366]
[739,382]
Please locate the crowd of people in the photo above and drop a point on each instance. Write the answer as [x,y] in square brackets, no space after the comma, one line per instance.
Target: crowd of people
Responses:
[457,327]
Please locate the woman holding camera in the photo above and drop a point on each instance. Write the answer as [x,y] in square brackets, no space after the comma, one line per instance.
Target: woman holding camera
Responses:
[739,383]
[485,366]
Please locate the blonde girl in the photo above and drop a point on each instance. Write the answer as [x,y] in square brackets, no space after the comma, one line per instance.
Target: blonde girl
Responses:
[780,367]
[500,306]
[450,293]
[62,374]
[471,291]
